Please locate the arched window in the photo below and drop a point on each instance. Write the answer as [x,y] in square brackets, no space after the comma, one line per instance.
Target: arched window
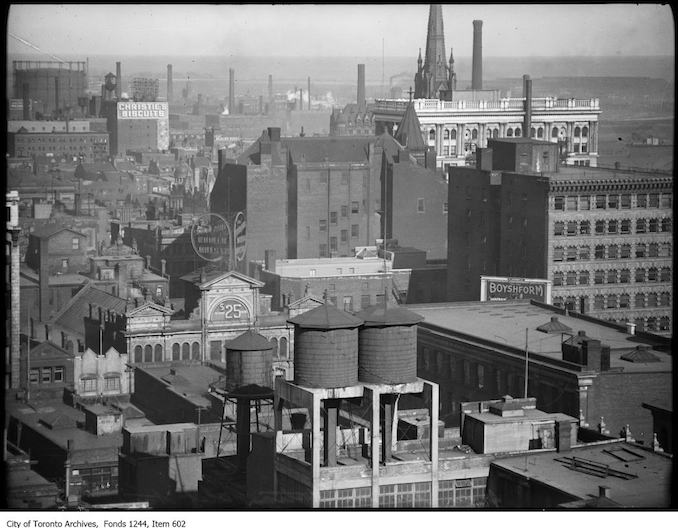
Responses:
[666,225]
[495,133]
[612,301]
[509,132]
[176,353]
[641,225]
[624,300]
[665,275]
[577,132]
[652,275]
[664,299]
[558,302]
[138,358]
[554,132]
[185,351]
[453,134]
[195,350]
[446,134]
[611,276]
[432,134]
[652,300]
[148,354]
[540,133]
[651,324]
[157,355]
[664,324]
[640,275]
[639,300]
[274,342]
[533,132]
[599,302]
[474,133]
[283,347]
[518,132]
[585,132]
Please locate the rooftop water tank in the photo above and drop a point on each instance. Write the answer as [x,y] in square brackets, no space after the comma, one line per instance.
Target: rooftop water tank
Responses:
[387,345]
[325,348]
[249,359]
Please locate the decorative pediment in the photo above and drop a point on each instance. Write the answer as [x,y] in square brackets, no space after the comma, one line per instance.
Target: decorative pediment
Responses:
[230,279]
[149,309]
[306,303]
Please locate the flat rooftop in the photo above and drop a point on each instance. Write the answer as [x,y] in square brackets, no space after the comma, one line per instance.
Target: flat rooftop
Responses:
[648,484]
[190,381]
[571,173]
[529,415]
[331,267]
[504,323]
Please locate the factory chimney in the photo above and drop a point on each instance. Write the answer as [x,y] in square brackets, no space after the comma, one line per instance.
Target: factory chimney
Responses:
[170,90]
[477,74]
[361,88]
[527,94]
[270,93]
[309,94]
[231,91]
[26,101]
[118,81]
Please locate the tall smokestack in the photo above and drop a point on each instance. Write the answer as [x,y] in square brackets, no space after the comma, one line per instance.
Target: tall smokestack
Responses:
[309,94]
[270,89]
[477,75]
[26,101]
[527,94]
[170,89]
[301,98]
[231,91]
[118,81]
[361,88]
[56,95]
[43,279]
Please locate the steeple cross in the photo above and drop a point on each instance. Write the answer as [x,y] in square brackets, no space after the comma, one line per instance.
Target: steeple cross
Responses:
[410,91]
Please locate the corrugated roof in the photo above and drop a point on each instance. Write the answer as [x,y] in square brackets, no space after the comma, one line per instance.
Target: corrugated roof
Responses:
[249,341]
[326,317]
[384,315]
[409,130]
[554,327]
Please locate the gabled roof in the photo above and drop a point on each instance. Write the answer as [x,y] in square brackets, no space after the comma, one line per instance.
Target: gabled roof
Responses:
[73,314]
[149,306]
[326,317]
[308,299]
[230,274]
[49,230]
[47,348]
[409,130]
[333,149]
[554,327]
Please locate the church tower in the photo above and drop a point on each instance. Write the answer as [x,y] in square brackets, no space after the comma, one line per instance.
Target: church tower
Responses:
[433,75]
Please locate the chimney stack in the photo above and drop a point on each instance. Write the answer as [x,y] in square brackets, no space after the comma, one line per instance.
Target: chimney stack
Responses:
[270,88]
[527,94]
[163,266]
[43,278]
[477,74]
[231,91]
[118,81]
[301,99]
[170,89]
[361,88]
[26,101]
[309,94]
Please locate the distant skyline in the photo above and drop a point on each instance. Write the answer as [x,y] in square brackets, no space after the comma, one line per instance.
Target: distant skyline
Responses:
[509,30]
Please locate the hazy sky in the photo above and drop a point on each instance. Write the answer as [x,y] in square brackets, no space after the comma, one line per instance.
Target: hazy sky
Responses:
[337,30]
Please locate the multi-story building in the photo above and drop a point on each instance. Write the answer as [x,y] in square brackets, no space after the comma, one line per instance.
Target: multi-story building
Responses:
[456,123]
[603,237]
[12,291]
[145,89]
[610,239]
[70,146]
[574,364]
[138,126]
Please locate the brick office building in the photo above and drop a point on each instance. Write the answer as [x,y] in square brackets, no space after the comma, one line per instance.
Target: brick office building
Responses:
[85,146]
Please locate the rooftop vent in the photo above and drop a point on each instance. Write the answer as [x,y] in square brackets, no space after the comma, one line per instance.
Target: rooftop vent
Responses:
[641,354]
[555,327]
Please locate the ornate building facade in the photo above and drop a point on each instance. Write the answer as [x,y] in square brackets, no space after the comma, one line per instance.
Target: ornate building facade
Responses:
[455,122]
[610,245]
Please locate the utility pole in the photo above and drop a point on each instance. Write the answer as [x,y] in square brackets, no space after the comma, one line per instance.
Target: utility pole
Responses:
[526,362]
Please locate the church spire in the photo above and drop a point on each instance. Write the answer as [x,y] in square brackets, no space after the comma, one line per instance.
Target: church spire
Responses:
[435,45]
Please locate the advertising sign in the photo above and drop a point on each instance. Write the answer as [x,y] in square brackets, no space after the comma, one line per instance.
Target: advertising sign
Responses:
[142,110]
[240,236]
[508,288]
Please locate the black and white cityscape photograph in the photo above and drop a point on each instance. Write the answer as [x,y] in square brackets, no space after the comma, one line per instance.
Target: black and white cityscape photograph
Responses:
[300,257]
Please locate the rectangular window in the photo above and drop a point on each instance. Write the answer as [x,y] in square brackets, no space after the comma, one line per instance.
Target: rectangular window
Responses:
[420,205]
[89,384]
[355,231]
[355,207]
[654,200]
[322,224]
[600,227]
[46,375]
[344,235]
[584,277]
[58,374]
[666,201]
[344,177]
[348,304]
[601,201]
[585,202]
[571,203]
[559,203]
[34,377]
[76,243]
[613,201]
[641,200]
[64,263]
[445,208]
[333,217]
[322,250]
[112,383]
[333,243]
[364,301]
[612,227]
[584,253]
[344,211]
[571,228]
[571,253]
[558,253]
[625,201]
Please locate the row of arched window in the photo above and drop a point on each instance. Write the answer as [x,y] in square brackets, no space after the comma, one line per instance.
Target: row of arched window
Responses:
[612,251]
[191,351]
[580,133]
[612,226]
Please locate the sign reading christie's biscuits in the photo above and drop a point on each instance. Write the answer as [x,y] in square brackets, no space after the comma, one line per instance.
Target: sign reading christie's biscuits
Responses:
[505,288]
[142,110]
